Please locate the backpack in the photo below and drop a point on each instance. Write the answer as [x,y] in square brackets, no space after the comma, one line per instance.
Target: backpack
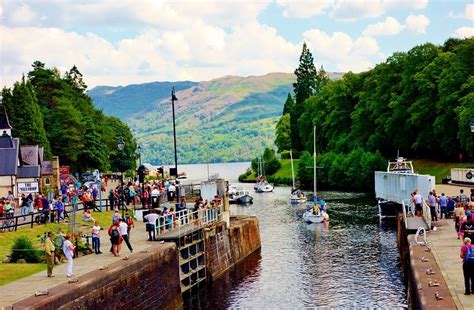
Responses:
[469,257]
[129,221]
[115,233]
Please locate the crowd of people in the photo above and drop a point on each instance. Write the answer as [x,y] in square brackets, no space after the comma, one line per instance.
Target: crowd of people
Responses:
[460,209]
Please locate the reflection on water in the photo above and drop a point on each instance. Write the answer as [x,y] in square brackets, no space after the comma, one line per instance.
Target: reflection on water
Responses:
[352,262]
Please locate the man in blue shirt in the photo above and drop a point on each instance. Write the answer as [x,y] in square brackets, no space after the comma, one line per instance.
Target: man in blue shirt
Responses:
[443,204]
[451,204]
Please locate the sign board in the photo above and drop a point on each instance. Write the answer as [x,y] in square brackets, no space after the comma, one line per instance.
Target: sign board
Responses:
[27,187]
[64,170]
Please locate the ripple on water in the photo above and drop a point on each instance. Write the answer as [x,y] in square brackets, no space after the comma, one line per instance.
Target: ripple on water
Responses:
[353,263]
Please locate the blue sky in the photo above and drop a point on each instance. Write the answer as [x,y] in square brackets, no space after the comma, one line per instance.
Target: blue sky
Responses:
[134,41]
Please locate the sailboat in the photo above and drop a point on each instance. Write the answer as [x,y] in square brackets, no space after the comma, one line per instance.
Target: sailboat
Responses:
[262,185]
[315,212]
[296,195]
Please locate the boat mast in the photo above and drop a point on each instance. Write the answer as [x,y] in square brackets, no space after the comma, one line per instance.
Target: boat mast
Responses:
[314,162]
[292,170]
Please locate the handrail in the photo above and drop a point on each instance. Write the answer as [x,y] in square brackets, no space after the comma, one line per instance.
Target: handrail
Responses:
[181,219]
[427,214]
[404,213]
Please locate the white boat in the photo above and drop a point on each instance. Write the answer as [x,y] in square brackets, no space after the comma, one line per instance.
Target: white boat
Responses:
[241,196]
[296,195]
[311,217]
[264,187]
[315,213]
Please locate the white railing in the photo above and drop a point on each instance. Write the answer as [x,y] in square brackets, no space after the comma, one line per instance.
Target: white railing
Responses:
[181,219]
[404,213]
[427,214]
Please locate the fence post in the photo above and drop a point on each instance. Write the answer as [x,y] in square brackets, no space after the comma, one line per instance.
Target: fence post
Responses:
[16,223]
[32,219]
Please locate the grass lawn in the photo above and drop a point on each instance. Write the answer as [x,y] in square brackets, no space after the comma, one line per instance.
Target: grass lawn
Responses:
[437,169]
[285,169]
[12,272]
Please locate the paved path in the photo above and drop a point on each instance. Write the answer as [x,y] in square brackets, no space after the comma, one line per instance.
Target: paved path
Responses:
[25,287]
[446,249]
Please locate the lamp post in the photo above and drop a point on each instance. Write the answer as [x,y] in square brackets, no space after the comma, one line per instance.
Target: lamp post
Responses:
[139,149]
[173,99]
[141,171]
[121,147]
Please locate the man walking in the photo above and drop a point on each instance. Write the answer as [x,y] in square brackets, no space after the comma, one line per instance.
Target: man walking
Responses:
[49,249]
[124,232]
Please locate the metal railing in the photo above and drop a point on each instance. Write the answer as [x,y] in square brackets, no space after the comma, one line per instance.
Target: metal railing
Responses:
[183,219]
[427,214]
[15,221]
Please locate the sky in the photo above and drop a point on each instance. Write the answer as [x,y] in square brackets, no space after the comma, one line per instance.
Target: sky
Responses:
[121,42]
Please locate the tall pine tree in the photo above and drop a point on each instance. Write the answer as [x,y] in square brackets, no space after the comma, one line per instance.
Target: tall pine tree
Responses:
[304,88]
[25,115]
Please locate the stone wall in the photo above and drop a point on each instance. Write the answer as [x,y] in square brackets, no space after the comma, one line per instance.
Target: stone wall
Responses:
[226,247]
[146,280]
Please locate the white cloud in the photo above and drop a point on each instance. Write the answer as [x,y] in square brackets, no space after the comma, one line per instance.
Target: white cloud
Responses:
[304,9]
[22,15]
[464,32]
[467,14]
[417,23]
[390,26]
[201,52]
[339,50]
[469,11]
[352,10]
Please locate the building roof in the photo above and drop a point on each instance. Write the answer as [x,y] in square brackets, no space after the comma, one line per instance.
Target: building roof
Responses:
[4,123]
[47,167]
[30,155]
[10,157]
[6,142]
[29,172]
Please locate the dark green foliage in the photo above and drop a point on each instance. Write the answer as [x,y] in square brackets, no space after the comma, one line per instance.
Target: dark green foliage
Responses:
[25,115]
[270,163]
[419,102]
[350,171]
[289,104]
[309,81]
[282,133]
[54,112]
[23,248]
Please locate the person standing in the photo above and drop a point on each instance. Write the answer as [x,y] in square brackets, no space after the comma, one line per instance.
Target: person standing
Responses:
[130,224]
[68,250]
[418,200]
[467,255]
[112,199]
[96,238]
[443,204]
[124,232]
[151,224]
[49,249]
[432,204]
[467,228]
[24,206]
[115,238]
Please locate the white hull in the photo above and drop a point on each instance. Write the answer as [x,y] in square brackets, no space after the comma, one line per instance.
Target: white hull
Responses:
[311,218]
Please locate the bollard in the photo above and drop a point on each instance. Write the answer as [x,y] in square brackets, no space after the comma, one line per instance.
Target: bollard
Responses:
[41,293]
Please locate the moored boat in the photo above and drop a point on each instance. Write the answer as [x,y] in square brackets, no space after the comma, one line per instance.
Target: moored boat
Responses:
[241,196]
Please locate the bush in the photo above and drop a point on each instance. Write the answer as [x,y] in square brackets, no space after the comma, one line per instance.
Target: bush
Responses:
[23,248]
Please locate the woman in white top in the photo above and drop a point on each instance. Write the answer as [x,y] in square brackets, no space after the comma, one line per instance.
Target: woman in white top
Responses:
[96,238]
[68,250]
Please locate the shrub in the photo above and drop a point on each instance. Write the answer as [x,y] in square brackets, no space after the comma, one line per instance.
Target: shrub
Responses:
[23,248]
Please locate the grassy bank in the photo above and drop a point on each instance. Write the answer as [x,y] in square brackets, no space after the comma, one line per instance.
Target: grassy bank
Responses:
[437,169]
[422,166]
[10,272]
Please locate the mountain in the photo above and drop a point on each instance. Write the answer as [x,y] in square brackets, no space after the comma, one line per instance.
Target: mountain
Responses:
[222,120]
[117,100]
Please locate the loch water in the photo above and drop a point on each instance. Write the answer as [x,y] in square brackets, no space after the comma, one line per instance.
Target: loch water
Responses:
[352,262]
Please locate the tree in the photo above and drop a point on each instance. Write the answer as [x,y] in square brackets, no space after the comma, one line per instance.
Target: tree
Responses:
[282,134]
[289,104]
[74,77]
[25,115]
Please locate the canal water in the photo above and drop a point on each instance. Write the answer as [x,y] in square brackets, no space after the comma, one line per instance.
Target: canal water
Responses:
[352,262]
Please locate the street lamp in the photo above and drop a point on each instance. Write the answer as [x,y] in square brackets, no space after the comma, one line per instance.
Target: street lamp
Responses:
[139,149]
[173,99]
[121,147]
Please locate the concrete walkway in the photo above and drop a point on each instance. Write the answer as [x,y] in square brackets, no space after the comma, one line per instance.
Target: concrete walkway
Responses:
[446,249]
[25,287]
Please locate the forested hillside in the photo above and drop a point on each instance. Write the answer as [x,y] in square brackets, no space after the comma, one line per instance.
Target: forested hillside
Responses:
[53,111]
[419,103]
